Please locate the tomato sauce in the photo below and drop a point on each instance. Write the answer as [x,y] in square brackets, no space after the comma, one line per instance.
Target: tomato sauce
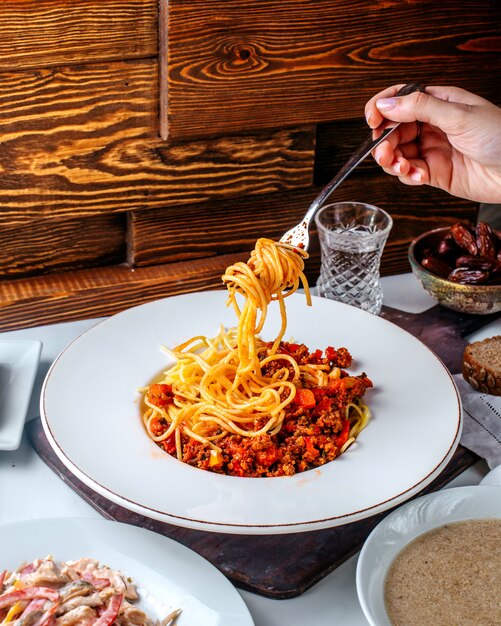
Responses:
[313,432]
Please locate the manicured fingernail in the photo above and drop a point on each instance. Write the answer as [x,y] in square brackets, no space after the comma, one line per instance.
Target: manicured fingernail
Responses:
[368,116]
[417,176]
[385,104]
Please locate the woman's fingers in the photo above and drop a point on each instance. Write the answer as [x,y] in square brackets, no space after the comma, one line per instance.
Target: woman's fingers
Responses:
[418,173]
[410,150]
[372,115]
[459,149]
[449,116]
[409,171]
[445,107]
[404,135]
[456,94]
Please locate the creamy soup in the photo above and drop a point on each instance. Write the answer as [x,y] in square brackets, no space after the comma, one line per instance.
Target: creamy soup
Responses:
[449,576]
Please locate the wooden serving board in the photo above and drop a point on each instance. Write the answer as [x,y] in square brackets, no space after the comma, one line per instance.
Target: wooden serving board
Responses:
[284,566]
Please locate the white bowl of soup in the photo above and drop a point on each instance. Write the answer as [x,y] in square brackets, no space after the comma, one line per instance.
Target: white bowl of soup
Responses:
[435,561]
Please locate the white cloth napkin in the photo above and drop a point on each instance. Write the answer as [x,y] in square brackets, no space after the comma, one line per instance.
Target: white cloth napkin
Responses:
[481,423]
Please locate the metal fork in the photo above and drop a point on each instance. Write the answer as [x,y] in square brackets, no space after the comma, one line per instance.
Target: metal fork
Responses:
[298,235]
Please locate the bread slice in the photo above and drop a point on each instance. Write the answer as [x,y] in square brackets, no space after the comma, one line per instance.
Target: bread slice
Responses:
[482,365]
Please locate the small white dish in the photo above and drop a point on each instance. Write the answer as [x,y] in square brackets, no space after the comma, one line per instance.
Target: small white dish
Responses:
[405,524]
[493,477]
[18,367]
[167,575]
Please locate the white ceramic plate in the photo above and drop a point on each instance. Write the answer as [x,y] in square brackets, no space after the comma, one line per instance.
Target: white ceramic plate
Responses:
[405,524]
[167,575]
[91,415]
[18,367]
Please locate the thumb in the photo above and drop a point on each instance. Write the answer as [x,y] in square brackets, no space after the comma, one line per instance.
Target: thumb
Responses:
[423,107]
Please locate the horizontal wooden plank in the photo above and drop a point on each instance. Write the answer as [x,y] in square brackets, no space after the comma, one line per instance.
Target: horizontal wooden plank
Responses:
[83,140]
[214,228]
[101,291]
[104,291]
[46,33]
[41,248]
[229,66]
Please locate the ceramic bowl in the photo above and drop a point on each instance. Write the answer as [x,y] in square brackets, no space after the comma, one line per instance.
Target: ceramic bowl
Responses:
[405,524]
[476,299]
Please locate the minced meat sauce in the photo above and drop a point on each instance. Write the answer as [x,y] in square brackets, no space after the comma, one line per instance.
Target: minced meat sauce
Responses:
[313,431]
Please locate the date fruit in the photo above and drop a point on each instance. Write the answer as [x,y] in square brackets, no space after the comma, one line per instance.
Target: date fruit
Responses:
[475,262]
[436,266]
[471,256]
[486,243]
[464,239]
[447,248]
[468,277]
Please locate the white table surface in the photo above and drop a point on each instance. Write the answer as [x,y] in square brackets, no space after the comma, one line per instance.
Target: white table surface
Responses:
[29,489]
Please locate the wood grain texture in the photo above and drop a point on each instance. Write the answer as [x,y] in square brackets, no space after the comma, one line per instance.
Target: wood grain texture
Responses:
[207,230]
[261,97]
[46,33]
[39,247]
[102,291]
[106,290]
[83,140]
[237,65]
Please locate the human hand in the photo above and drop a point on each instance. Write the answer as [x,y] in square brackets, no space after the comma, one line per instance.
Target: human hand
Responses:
[449,138]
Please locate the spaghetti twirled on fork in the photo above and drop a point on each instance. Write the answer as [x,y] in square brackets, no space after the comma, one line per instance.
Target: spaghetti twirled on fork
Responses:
[235,388]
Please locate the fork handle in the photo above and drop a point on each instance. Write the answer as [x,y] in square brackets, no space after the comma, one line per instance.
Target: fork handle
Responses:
[363,151]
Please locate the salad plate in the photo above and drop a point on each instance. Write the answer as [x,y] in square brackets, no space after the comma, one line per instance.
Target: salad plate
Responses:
[167,575]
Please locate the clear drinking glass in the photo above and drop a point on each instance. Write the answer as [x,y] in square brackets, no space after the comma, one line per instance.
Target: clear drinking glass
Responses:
[352,237]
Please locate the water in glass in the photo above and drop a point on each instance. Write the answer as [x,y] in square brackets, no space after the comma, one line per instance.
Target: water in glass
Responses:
[351,254]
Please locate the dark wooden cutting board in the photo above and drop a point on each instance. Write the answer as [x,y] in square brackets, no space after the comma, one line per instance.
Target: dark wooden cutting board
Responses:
[284,566]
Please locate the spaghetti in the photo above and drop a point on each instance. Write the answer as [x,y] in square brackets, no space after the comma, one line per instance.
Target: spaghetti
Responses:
[238,405]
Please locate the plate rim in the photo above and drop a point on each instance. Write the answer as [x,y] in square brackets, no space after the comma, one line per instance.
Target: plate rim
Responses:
[123,528]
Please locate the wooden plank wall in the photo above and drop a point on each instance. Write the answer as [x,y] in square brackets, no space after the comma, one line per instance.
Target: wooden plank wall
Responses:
[240,64]
[146,147]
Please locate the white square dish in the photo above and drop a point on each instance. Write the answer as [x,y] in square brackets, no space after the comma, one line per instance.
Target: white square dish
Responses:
[18,367]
